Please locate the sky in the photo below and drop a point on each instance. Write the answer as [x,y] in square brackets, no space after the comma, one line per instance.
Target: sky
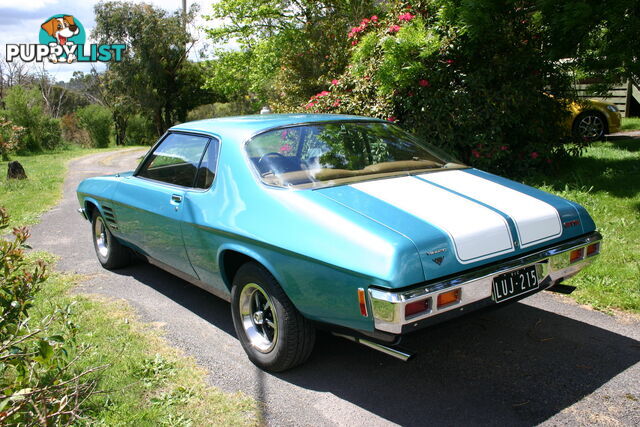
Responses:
[21,20]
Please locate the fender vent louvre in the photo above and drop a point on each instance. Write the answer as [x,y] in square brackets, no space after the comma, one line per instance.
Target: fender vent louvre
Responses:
[110,217]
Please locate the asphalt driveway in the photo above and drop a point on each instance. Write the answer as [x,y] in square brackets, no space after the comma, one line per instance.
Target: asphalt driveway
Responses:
[543,360]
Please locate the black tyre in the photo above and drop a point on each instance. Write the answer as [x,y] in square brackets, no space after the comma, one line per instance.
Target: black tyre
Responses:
[110,252]
[275,336]
[589,126]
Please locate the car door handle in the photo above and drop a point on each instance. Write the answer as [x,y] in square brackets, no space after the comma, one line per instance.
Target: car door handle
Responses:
[176,198]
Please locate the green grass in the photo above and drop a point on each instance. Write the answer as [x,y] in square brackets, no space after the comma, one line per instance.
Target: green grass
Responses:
[27,199]
[606,181]
[630,123]
[146,382]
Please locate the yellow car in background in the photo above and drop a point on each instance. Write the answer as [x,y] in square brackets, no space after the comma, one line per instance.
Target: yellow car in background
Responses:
[591,119]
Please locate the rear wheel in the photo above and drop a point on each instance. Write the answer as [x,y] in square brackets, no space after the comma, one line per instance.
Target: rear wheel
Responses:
[589,126]
[275,336]
[110,252]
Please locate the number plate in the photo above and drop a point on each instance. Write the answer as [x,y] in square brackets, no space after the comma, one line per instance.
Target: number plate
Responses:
[514,283]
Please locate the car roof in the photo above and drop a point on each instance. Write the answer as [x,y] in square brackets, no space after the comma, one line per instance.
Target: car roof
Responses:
[241,128]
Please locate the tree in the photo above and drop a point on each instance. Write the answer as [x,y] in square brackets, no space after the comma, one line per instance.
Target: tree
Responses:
[287,48]
[599,36]
[13,73]
[108,89]
[154,73]
[96,120]
[25,108]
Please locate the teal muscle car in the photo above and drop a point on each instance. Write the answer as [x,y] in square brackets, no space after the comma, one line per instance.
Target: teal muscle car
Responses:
[343,223]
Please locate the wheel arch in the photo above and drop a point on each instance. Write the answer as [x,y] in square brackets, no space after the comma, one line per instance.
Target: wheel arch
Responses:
[232,257]
[91,205]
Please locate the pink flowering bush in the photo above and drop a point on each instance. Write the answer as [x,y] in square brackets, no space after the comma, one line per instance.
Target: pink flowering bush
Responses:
[9,138]
[479,93]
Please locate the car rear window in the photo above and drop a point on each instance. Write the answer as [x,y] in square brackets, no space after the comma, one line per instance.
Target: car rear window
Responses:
[334,153]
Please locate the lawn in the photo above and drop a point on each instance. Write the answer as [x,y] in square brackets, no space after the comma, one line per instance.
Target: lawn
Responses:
[630,123]
[30,198]
[146,381]
[606,181]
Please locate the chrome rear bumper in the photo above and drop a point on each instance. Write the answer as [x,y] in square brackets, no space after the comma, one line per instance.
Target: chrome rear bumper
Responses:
[552,265]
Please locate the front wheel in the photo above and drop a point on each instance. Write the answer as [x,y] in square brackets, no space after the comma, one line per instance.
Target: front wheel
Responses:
[110,252]
[275,336]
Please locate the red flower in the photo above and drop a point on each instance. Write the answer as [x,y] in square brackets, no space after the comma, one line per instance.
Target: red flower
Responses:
[283,134]
[365,21]
[475,153]
[374,18]
[405,17]
[450,61]
[424,83]
[394,29]
[392,118]
[335,82]
[285,148]
[367,78]
[323,93]
[504,147]
[409,93]
[309,105]
[534,155]
[354,31]
[355,42]
[336,103]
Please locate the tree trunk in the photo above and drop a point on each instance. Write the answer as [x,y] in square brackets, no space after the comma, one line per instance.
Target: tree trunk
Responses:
[15,171]
[120,124]
[158,122]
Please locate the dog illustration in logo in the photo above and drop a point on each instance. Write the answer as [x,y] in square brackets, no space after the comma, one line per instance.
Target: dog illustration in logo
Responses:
[61,29]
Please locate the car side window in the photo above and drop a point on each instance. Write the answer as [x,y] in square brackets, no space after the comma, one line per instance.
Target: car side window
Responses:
[175,160]
[207,169]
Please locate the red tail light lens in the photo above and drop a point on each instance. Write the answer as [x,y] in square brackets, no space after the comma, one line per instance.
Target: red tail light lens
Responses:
[576,255]
[593,249]
[416,307]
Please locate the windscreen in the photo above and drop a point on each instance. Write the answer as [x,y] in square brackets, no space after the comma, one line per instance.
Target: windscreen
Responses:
[335,153]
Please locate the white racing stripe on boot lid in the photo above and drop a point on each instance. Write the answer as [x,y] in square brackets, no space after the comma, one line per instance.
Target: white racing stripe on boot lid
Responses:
[535,220]
[476,231]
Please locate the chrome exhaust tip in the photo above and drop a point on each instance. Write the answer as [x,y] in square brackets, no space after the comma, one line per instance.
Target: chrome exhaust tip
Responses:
[391,351]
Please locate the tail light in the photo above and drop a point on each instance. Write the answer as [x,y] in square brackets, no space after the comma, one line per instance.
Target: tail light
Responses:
[416,307]
[576,255]
[593,249]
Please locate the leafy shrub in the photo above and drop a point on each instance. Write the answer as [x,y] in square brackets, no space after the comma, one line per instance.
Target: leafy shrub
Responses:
[472,82]
[50,133]
[9,137]
[97,121]
[72,132]
[139,131]
[25,109]
[222,109]
[38,383]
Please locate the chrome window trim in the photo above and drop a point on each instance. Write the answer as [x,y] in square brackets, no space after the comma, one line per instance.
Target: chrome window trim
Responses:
[387,307]
[210,138]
